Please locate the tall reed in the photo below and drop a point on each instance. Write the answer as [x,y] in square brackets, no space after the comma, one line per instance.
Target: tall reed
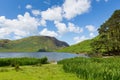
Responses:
[93,68]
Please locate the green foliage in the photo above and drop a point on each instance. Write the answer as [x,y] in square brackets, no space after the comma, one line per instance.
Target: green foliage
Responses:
[109,36]
[22,61]
[82,47]
[93,68]
[32,44]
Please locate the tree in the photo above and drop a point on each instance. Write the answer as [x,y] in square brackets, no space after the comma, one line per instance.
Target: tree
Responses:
[109,35]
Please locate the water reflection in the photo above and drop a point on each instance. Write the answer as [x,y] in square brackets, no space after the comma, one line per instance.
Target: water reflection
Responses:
[52,56]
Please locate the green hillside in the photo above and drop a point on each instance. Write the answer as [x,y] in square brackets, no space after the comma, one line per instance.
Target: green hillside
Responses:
[81,47]
[32,44]
[107,42]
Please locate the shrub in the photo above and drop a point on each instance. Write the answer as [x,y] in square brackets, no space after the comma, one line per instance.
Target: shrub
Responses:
[22,61]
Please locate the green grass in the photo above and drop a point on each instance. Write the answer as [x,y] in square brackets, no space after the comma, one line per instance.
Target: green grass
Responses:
[93,68]
[82,47]
[44,72]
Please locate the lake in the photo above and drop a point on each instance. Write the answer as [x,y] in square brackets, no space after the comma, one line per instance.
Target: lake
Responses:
[52,56]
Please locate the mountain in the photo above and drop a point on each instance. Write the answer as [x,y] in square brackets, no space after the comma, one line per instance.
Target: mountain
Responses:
[82,47]
[32,44]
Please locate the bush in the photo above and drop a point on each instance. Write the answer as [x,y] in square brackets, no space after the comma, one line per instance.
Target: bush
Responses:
[22,61]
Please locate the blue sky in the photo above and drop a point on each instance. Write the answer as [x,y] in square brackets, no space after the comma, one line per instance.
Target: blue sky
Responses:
[68,20]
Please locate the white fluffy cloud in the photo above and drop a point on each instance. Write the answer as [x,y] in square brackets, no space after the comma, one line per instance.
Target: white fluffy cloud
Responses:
[36,12]
[28,6]
[73,8]
[46,32]
[79,39]
[91,28]
[69,10]
[52,14]
[22,26]
[73,28]
[62,28]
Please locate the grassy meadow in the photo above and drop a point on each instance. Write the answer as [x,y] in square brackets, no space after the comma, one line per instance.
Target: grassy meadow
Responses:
[93,68]
[68,69]
[44,72]
[82,47]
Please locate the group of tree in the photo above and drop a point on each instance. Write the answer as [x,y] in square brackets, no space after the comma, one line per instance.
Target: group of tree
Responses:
[108,40]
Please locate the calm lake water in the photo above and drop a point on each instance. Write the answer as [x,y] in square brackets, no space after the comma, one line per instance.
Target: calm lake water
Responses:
[52,56]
